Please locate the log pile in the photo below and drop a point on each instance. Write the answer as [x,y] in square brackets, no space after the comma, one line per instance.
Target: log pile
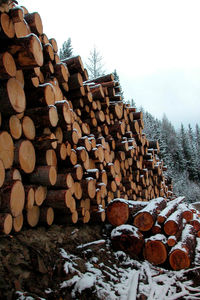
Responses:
[68,145]
[162,231]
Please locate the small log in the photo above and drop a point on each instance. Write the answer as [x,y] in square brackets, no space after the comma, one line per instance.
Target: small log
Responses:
[18,223]
[12,198]
[44,116]
[15,127]
[117,212]
[7,66]
[74,64]
[64,180]
[2,173]
[16,14]
[35,23]
[7,30]
[29,196]
[5,223]
[45,175]
[129,239]
[170,208]
[155,250]
[78,192]
[12,97]
[146,218]
[33,215]
[25,155]
[43,95]
[6,149]
[22,29]
[58,198]
[182,254]
[173,222]
[46,216]
[28,128]
[89,187]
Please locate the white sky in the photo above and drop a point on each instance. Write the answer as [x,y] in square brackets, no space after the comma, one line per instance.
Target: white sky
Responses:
[153,44]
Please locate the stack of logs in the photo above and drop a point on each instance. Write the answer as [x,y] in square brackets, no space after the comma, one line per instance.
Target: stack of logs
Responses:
[68,145]
[161,231]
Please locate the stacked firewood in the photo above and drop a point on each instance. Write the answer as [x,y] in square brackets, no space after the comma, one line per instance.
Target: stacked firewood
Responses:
[161,231]
[68,145]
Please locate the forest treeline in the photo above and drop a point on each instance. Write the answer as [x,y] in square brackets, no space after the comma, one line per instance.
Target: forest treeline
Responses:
[180,151]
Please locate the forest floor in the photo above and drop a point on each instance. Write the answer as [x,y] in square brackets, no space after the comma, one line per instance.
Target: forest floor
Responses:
[78,262]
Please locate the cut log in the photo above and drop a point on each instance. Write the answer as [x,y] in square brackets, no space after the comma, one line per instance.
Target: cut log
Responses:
[173,222]
[5,223]
[7,66]
[46,216]
[89,187]
[45,175]
[35,23]
[78,192]
[12,97]
[64,180]
[181,255]
[58,198]
[155,249]
[129,239]
[29,196]
[16,14]
[25,155]
[21,29]
[7,30]
[18,223]
[43,95]
[27,52]
[15,127]
[2,173]
[117,212]
[28,128]
[74,64]
[170,208]
[33,215]
[44,116]
[146,218]
[12,198]
[6,149]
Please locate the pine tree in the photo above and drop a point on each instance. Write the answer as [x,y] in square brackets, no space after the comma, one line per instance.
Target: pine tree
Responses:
[66,50]
[95,65]
[116,78]
[188,154]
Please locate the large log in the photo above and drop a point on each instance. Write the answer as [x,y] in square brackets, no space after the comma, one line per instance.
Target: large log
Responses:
[27,52]
[128,239]
[7,66]
[155,250]
[117,212]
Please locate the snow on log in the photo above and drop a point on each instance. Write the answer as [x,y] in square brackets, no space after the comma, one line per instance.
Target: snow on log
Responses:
[155,250]
[129,239]
[182,254]
[146,218]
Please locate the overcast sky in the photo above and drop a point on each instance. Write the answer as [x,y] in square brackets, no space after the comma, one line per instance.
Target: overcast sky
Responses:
[153,44]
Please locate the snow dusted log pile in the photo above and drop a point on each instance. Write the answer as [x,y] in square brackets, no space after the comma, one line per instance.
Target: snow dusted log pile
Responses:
[161,231]
[68,146]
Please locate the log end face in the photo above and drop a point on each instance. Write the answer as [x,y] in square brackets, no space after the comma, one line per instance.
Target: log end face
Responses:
[27,157]
[16,95]
[155,252]
[17,198]
[117,213]
[179,260]
[2,173]
[144,221]
[6,149]
[7,226]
